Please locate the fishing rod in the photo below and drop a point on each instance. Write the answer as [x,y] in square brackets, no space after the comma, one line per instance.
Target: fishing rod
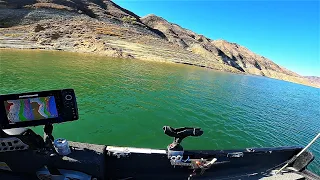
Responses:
[296,156]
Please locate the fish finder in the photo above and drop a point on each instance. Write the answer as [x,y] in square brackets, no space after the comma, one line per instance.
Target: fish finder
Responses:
[37,108]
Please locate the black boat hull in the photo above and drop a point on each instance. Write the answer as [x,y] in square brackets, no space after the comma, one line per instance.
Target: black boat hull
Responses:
[230,164]
[139,163]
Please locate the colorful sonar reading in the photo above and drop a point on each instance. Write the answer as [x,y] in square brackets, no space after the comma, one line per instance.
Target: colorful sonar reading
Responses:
[31,109]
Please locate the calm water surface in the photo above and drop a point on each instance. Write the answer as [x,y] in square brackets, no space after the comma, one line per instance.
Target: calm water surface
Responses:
[126,102]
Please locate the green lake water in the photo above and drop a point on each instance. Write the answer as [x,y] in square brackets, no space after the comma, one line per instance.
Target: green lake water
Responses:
[126,102]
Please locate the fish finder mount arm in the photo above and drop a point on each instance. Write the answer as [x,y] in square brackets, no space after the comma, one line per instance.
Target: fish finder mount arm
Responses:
[47,137]
[179,134]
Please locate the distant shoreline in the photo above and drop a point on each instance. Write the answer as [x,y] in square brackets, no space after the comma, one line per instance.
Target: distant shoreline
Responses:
[177,63]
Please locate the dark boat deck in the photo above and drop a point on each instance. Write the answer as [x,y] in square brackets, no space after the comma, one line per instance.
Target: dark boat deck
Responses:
[245,164]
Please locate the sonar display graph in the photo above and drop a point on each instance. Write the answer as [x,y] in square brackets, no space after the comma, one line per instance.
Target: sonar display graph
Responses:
[31,109]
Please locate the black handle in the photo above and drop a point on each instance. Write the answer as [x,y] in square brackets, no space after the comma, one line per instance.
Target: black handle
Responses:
[180,133]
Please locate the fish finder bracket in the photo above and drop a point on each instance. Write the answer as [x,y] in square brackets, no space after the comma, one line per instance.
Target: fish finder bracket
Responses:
[48,137]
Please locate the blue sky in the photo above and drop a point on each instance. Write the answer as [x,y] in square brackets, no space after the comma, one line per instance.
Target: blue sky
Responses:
[287,32]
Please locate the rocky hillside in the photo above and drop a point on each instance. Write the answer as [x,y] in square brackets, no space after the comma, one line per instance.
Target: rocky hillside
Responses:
[313,79]
[103,27]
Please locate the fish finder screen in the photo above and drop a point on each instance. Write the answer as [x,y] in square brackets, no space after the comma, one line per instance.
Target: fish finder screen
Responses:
[30,109]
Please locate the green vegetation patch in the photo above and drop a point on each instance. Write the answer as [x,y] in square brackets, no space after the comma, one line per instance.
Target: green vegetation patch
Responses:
[129,19]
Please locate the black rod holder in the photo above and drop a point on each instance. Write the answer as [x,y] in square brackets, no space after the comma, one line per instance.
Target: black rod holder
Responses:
[179,134]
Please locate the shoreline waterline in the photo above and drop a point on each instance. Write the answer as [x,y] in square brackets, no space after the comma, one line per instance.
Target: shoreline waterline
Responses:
[94,54]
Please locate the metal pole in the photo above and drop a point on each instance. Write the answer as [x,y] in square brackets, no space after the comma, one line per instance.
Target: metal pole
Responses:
[303,150]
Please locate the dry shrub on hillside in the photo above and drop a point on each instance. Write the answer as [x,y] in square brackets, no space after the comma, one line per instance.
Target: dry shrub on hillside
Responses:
[108,31]
[49,5]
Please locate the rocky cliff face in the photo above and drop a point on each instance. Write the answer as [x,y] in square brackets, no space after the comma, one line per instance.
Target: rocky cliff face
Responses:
[102,27]
[223,51]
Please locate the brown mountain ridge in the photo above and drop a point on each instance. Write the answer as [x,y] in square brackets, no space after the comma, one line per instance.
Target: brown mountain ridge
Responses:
[102,27]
